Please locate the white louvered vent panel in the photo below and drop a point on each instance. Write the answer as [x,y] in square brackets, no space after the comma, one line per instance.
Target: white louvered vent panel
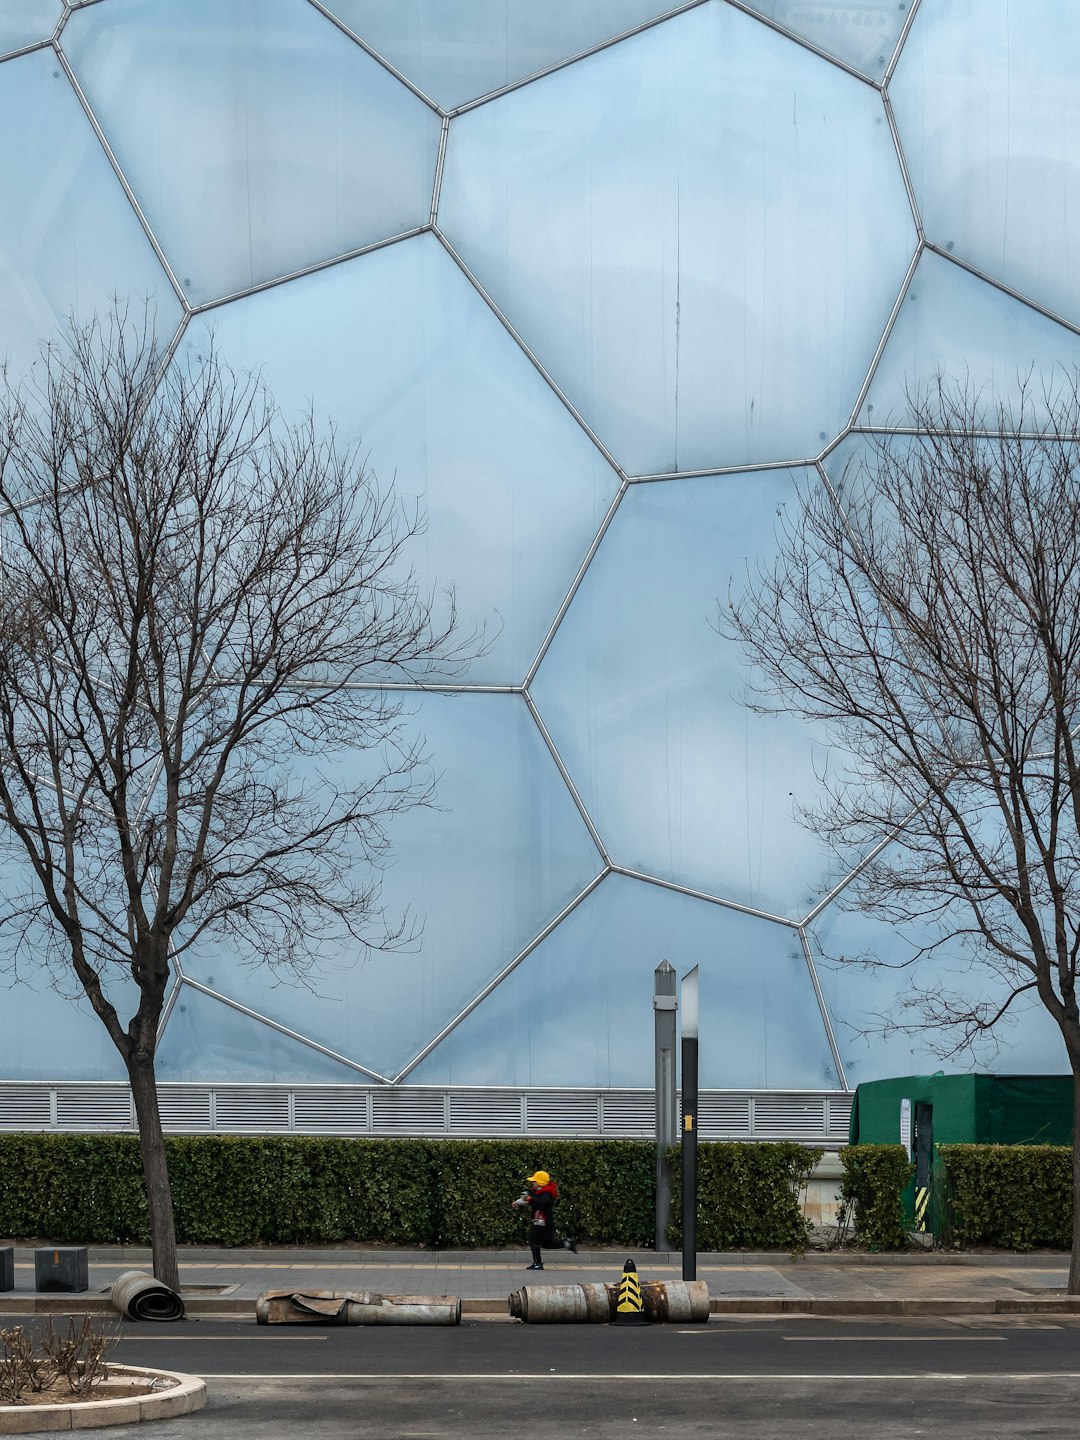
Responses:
[251,1107]
[839,1111]
[789,1117]
[97,1107]
[25,1107]
[185,1108]
[332,1110]
[365,1110]
[485,1112]
[632,1114]
[562,1113]
[724,1117]
[408,1112]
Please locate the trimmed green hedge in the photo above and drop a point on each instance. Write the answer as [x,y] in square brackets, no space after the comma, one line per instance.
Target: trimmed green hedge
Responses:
[875,1178]
[748,1196]
[1014,1196]
[283,1190]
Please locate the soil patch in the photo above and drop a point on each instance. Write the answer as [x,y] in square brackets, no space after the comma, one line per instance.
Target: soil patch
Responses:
[122,1389]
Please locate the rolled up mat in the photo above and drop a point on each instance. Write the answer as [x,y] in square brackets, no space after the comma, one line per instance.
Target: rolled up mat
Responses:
[141,1297]
[361,1307]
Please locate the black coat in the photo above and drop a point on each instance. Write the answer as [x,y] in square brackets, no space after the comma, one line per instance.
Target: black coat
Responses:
[542,1211]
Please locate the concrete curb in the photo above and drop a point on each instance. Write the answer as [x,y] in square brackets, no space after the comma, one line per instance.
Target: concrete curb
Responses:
[186,1396]
[274,1257]
[243,1307]
[908,1305]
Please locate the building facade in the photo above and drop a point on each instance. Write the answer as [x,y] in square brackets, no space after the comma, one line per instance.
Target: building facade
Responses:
[600,283]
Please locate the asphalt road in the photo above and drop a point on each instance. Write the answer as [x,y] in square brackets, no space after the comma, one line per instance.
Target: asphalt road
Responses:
[757,1379]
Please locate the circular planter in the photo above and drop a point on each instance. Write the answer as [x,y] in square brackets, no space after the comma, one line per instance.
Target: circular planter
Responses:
[185,1394]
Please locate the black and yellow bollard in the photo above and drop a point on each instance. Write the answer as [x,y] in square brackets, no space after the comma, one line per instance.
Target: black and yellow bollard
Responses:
[629,1306]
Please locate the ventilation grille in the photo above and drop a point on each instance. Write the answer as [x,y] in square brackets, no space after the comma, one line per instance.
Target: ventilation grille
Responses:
[408,1112]
[25,1107]
[251,1107]
[631,1114]
[485,1112]
[94,1107]
[838,1109]
[332,1110]
[789,1117]
[562,1112]
[187,1109]
[815,1117]
[725,1117]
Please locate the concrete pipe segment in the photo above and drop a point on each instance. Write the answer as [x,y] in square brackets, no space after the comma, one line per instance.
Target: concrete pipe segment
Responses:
[141,1297]
[561,1304]
[344,1307]
[682,1301]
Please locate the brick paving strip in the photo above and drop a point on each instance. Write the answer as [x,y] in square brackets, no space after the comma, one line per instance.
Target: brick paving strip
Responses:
[222,1282]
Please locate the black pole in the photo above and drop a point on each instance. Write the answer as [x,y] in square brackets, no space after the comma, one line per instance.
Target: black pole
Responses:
[690,1123]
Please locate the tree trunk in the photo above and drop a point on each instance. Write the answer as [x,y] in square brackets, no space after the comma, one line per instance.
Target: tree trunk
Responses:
[155,1171]
[1074,1261]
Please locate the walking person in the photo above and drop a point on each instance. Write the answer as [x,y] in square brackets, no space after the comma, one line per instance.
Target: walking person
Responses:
[539,1196]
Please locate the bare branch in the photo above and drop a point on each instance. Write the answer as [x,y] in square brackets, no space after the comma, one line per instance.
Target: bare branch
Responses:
[191,591]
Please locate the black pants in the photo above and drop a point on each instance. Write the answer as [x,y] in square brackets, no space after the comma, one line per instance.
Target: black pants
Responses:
[539,1236]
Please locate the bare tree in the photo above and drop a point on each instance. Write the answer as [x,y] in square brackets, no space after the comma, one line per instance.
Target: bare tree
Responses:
[928,612]
[197,605]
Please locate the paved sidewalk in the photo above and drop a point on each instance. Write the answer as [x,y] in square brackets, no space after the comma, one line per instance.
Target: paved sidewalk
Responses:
[227,1282]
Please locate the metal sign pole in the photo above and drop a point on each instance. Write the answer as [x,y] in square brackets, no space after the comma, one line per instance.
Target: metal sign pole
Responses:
[664,1007]
[690,1122]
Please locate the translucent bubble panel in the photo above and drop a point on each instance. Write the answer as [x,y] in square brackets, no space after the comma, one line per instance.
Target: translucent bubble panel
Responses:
[862,33]
[706,277]
[457,52]
[641,696]
[989,116]
[48,1029]
[577,1011]
[69,240]
[258,137]
[399,351]
[860,999]
[22,22]
[478,876]
[955,324]
[48,1035]
[209,1041]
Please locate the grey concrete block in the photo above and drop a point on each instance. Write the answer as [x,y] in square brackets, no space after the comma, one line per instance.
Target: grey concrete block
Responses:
[62,1267]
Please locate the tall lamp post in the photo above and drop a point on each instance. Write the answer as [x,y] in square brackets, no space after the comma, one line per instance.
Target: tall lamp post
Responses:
[689,1122]
[664,1007]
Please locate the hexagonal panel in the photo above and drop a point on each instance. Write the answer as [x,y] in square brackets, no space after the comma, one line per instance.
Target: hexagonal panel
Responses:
[859,999]
[48,1030]
[988,111]
[454,53]
[69,240]
[258,138]
[956,324]
[577,1012]
[208,1041]
[22,22]
[700,232]
[399,351]
[46,1035]
[642,698]
[863,33]
[481,874]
